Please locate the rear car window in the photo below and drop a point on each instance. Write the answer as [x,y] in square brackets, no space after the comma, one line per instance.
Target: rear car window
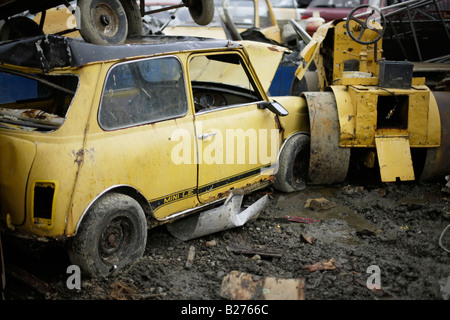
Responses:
[35,101]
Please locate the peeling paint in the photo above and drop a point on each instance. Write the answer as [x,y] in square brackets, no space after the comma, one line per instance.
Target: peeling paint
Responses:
[79,156]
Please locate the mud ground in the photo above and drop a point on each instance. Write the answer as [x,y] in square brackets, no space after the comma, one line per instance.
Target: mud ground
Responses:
[398,228]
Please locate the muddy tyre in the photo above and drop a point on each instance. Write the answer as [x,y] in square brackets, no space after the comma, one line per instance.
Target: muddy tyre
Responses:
[133,16]
[113,234]
[202,11]
[103,22]
[293,164]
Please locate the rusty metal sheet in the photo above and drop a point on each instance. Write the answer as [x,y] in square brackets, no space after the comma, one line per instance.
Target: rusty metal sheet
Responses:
[437,161]
[328,161]
[243,286]
[394,157]
[224,217]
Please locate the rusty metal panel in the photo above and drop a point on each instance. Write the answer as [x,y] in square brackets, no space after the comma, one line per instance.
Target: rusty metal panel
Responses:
[346,111]
[394,157]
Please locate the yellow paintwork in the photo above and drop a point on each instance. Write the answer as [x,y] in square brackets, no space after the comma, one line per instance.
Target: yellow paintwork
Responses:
[58,19]
[15,162]
[394,156]
[357,108]
[265,59]
[236,145]
[306,56]
[81,161]
[348,49]
[357,97]
[297,119]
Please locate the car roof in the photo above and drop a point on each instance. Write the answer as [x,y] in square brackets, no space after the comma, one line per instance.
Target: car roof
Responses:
[48,52]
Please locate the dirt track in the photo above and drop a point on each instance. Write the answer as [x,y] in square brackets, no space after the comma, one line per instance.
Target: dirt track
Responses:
[395,227]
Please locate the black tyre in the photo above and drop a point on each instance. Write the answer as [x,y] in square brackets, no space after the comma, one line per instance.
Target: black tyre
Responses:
[133,16]
[293,164]
[298,86]
[202,11]
[112,235]
[103,21]
[19,27]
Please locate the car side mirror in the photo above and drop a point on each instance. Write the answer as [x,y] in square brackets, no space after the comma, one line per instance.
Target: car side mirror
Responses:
[274,107]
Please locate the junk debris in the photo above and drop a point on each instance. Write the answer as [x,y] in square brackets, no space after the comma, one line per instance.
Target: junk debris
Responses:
[256,250]
[122,291]
[319,204]
[301,219]
[244,286]
[190,259]
[307,239]
[227,216]
[322,266]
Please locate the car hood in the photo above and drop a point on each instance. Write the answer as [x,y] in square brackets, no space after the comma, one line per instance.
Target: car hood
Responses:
[265,59]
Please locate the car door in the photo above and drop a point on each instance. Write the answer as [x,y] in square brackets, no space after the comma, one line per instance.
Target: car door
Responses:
[237,138]
[145,114]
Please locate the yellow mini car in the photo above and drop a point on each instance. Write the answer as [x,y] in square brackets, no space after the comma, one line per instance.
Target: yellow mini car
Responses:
[100,143]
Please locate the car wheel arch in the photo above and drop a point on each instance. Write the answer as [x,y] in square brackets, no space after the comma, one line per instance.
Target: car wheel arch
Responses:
[122,189]
[291,173]
[290,137]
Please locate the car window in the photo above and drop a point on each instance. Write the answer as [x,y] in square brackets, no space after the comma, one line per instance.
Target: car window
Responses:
[142,92]
[35,101]
[221,80]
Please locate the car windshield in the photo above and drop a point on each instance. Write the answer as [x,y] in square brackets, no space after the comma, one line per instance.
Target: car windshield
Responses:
[35,102]
[242,12]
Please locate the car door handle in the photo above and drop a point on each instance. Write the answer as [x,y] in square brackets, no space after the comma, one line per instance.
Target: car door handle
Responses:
[206,135]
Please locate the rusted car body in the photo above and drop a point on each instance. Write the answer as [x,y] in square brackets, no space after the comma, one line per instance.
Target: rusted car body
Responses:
[100,142]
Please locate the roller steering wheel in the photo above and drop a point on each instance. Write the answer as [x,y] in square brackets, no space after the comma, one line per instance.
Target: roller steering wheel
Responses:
[364,24]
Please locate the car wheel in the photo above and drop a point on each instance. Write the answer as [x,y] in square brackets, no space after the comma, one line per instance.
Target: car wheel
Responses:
[133,16]
[103,21]
[202,11]
[293,164]
[19,27]
[113,234]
